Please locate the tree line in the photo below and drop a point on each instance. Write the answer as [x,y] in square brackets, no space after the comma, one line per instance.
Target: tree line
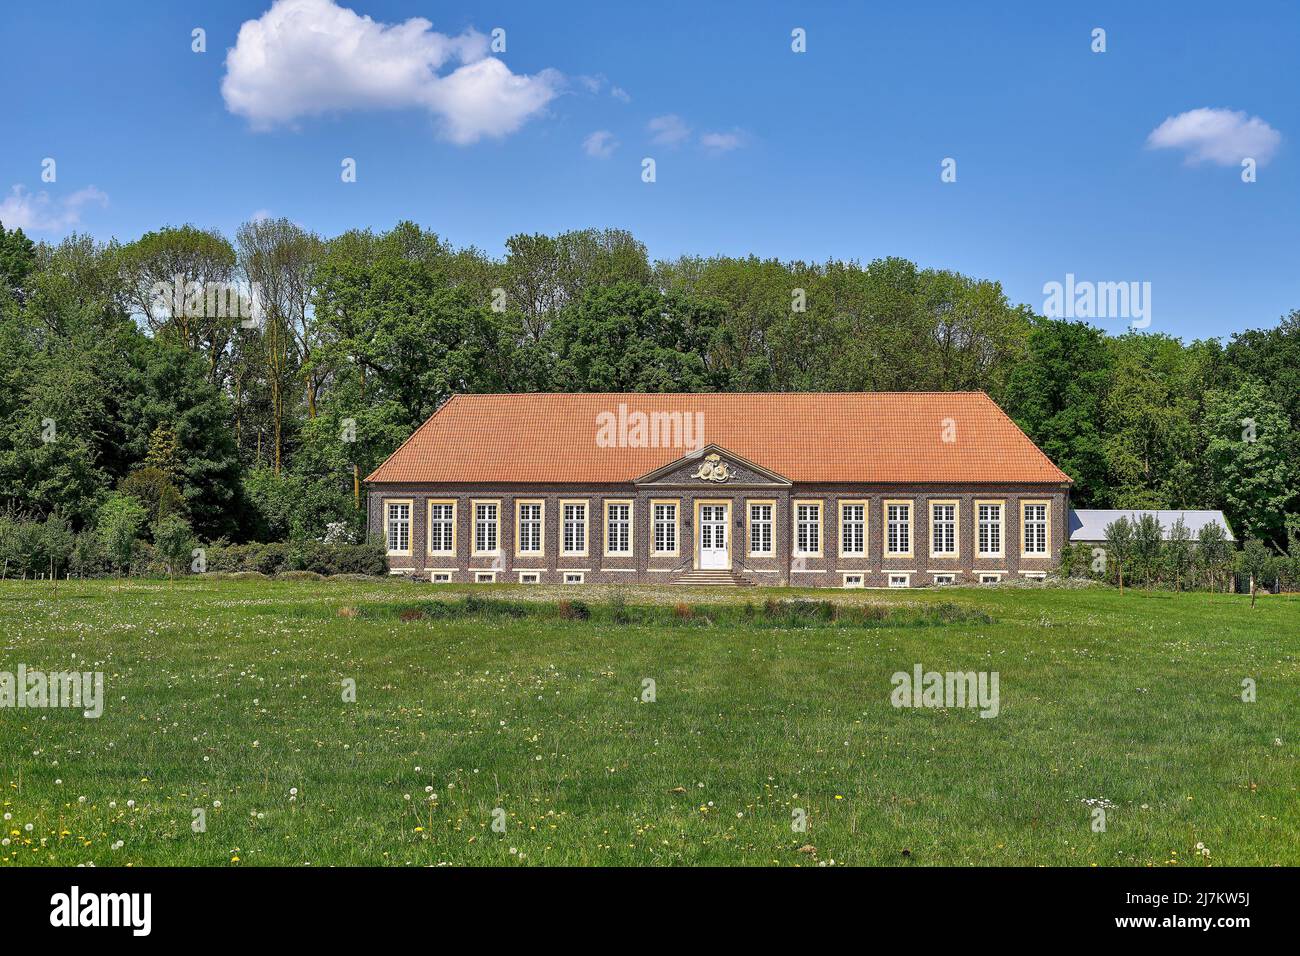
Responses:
[136,390]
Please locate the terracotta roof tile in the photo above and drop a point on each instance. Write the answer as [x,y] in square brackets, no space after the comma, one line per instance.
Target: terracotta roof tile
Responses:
[807,437]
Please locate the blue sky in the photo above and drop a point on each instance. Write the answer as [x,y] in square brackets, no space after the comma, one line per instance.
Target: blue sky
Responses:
[834,152]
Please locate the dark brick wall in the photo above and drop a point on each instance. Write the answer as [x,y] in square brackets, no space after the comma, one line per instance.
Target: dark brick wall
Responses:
[642,567]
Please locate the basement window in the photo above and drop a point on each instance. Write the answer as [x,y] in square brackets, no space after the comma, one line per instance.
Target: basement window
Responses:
[900,580]
[485,577]
[574,577]
[990,578]
[529,577]
[945,579]
[853,580]
[440,577]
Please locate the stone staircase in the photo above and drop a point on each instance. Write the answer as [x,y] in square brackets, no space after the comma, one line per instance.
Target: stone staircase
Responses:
[721,578]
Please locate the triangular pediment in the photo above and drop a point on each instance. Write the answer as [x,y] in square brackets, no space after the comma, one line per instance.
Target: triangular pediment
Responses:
[713,466]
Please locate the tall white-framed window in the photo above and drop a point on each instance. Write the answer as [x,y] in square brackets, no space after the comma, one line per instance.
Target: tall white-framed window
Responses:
[761,539]
[898,528]
[530,534]
[487,527]
[943,529]
[664,527]
[1034,529]
[618,528]
[397,526]
[853,529]
[988,529]
[808,528]
[442,527]
[573,515]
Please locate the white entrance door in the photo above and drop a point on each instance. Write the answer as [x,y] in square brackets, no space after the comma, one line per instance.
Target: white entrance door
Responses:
[714,553]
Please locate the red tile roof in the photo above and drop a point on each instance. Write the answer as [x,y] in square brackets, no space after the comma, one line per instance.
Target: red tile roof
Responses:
[805,436]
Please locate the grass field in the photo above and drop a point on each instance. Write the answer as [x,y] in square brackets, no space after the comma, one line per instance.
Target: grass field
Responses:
[227,696]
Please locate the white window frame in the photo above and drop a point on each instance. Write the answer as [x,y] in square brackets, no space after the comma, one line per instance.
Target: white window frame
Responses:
[1046,505]
[565,503]
[495,523]
[769,521]
[536,577]
[675,523]
[854,503]
[893,577]
[950,575]
[1035,575]
[798,523]
[578,577]
[440,575]
[855,579]
[541,527]
[1001,525]
[490,576]
[910,505]
[630,524]
[955,504]
[410,525]
[995,575]
[429,523]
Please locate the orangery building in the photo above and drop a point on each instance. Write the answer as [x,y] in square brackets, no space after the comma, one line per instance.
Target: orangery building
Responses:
[808,489]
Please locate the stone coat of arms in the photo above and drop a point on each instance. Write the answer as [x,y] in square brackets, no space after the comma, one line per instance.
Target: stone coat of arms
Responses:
[713,468]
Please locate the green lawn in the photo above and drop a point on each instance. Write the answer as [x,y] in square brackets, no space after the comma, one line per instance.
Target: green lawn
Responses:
[227,695]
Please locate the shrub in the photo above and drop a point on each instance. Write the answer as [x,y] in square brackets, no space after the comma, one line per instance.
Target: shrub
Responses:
[317,557]
[618,609]
[682,611]
[574,610]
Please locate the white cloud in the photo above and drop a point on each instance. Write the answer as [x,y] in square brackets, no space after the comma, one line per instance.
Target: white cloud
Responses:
[311,57]
[40,213]
[722,142]
[620,94]
[668,130]
[1221,136]
[600,144]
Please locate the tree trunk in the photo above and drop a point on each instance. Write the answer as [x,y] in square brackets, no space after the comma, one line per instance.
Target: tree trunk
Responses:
[356,486]
[1252,590]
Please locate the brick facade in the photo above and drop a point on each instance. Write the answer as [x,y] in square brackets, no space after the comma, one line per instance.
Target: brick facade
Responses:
[744,485]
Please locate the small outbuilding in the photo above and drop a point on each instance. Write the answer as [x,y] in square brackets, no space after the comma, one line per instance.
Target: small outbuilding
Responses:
[1088,525]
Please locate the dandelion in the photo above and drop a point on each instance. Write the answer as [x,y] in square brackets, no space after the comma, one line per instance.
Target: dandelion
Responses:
[119,844]
[216,804]
[130,804]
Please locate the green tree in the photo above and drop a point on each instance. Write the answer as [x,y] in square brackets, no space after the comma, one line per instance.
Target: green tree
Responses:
[1251,456]
[17,259]
[120,521]
[173,542]
[1213,552]
[1056,394]
[1178,552]
[1120,545]
[1255,561]
[1148,542]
